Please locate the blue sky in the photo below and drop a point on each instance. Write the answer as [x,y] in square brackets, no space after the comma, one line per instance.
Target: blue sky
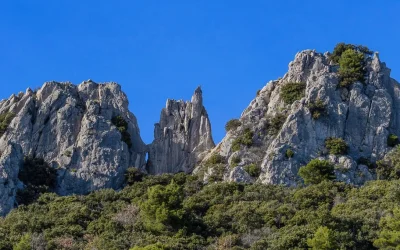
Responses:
[164,49]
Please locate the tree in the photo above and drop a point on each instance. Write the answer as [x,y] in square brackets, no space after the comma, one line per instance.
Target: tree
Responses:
[389,237]
[162,210]
[351,67]
[317,171]
[24,243]
[323,240]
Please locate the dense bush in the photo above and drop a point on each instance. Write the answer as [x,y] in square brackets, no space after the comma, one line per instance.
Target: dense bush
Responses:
[232,125]
[235,161]
[38,177]
[292,91]
[122,126]
[276,123]
[178,212]
[317,108]
[392,140]
[133,175]
[289,153]
[351,67]
[215,159]
[389,167]
[253,170]
[336,146]
[340,48]
[317,171]
[5,120]
[245,139]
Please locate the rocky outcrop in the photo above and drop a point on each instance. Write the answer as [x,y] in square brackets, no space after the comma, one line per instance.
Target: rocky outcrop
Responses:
[363,115]
[182,137]
[10,162]
[70,127]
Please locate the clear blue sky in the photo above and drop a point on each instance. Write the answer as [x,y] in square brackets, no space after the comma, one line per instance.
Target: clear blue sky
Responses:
[164,49]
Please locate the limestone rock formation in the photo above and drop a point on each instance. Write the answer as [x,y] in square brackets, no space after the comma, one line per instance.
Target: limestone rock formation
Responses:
[181,138]
[70,127]
[363,115]
[10,162]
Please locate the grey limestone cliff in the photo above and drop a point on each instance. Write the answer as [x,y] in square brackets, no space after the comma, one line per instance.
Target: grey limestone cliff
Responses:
[363,115]
[182,137]
[70,127]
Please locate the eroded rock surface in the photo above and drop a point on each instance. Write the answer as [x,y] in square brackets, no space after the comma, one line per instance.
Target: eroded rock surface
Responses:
[182,137]
[363,115]
[70,127]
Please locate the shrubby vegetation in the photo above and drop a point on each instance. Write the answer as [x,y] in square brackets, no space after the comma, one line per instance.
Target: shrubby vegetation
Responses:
[276,123]
[317,109]
[340,48]
[245,139]
[292,91]
[122,126]
[392,140]
[232,125]
[336,146]
[351,67]
[289,153]
[38,178]
[351,60]
[317,171]
[179,212]
[5,120]
[389,167]
[253,170]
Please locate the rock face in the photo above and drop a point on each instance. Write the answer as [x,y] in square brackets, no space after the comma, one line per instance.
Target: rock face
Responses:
[71,128]
[182,137]
[10,161]
[363,115]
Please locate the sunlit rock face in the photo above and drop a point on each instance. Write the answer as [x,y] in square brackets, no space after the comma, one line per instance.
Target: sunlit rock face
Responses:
[182,137]
[363,115]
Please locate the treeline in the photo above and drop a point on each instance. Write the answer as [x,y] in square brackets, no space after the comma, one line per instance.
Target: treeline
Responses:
[179,212]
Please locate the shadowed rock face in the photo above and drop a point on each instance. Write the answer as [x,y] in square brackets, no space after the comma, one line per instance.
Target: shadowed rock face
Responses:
[182,137]
[363,115]
[70,127]
[10,161]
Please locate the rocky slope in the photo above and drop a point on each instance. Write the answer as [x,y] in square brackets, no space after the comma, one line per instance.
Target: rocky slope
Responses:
[363,115]
[71,128]
[182,137]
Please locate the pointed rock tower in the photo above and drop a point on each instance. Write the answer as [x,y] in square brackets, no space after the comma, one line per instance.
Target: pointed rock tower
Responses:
[182,137]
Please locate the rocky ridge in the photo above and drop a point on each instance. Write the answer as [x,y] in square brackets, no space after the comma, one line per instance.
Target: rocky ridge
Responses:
[364,115]
[182,137]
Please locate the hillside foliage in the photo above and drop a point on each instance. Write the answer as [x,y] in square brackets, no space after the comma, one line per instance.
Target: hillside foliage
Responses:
[179,212]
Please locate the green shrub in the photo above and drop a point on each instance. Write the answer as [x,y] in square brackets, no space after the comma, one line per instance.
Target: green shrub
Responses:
[215,159]
[340,48]
[351,67]
[235,161]
[5,120]
[317,171]
[24,243]
[317,109]
[389,236]
[276,123]
[392,140]
[289,153]
[122,126]
[253,170]
[133,175]
[38,177]
[245,139]
[389,167]
[292,91]
[336,146]
[232,125]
